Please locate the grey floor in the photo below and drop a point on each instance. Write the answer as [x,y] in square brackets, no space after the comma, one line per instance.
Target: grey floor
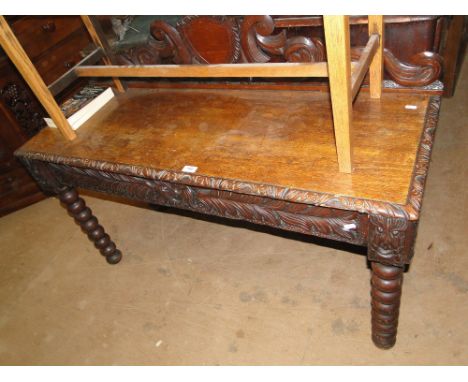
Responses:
[193,291]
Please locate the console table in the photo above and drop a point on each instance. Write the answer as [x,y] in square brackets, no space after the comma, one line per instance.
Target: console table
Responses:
[264,155]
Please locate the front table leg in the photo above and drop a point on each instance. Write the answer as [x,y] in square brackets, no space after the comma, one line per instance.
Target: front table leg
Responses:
[83,215]
[386,285]
[390,247]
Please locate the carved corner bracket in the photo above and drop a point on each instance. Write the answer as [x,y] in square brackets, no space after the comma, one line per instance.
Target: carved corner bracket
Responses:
[391,240]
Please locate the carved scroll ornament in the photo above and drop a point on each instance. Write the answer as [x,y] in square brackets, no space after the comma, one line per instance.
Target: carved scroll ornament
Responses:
[260,44]
[422,69]
[222,39]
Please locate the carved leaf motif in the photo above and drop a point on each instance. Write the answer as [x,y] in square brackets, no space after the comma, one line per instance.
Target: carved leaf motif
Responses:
[424,156]
[339,225]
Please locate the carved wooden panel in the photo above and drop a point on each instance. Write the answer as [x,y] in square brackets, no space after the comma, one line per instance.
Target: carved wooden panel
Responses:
[347,226]
[223,44]
[222,39]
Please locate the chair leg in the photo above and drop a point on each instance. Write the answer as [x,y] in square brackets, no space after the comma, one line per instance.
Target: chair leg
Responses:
[386,285]
[83,215]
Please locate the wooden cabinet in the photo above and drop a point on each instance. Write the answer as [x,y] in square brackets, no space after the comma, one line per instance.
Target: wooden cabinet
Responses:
[54,43]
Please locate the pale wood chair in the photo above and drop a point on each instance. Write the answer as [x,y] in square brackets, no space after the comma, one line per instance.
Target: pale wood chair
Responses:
[345,78]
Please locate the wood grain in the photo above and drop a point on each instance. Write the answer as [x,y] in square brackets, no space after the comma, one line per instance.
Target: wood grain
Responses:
[22,62]
[276,137]
[316,69]
[339,73]
[362,66]
[376,26]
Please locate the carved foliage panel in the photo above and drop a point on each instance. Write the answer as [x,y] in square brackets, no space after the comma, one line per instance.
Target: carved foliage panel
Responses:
[347,226]
[229,39]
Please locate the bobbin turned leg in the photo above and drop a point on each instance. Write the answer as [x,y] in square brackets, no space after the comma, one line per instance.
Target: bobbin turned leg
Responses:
[390,248]
[83,215]
[386,284]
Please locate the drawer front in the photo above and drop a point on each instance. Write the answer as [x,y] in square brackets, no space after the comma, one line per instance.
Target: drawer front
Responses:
[62,57]
[37,34]
[330,223]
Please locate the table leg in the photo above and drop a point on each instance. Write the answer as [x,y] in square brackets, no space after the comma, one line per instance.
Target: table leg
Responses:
[83,215]
[386,285]
[390,248]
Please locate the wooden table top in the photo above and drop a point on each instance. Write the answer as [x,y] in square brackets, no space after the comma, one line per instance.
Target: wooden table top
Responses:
[274,137]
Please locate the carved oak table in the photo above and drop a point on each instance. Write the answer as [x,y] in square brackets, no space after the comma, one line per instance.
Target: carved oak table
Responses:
[264,156]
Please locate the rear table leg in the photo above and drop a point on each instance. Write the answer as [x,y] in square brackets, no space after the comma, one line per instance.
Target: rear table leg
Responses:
[386,284]
[83,215]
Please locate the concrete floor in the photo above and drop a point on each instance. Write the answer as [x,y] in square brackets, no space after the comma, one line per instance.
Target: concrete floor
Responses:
[193,291]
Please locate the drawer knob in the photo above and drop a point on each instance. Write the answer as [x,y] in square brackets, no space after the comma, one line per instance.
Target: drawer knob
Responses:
[49,27]
[69,64]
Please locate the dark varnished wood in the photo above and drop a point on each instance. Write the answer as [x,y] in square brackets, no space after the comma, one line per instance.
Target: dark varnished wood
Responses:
[83,216]
[261,39]
[453,51]
[52,42]
[40,34]
[390,239]
[386,285]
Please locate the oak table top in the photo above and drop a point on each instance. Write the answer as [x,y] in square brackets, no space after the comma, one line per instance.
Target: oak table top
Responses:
[269,137]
